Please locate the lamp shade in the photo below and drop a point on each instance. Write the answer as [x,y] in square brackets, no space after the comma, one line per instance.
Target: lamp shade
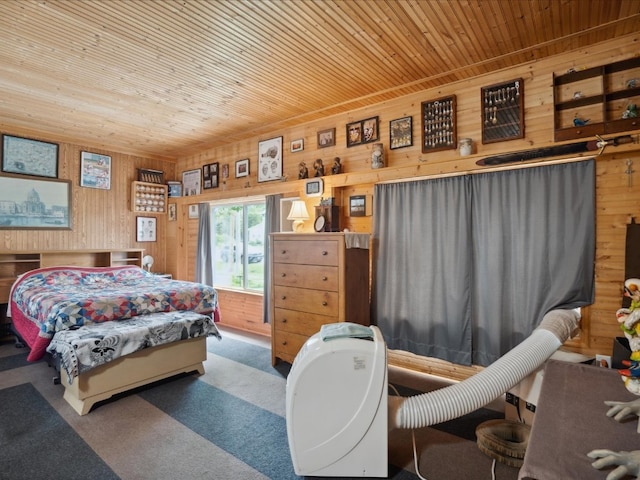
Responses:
[298,214]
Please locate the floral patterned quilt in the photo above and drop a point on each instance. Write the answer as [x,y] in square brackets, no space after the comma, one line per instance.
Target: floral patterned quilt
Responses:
[54,299]
[81,349]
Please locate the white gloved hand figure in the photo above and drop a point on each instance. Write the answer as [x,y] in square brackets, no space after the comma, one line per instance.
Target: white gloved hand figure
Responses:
[628,463]
[620,410]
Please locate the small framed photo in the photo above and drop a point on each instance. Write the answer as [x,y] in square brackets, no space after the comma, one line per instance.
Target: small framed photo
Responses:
[370,131]
[401,132]
[193,211]
[145,229]
[270,159]
[314,187]
[95,171]
[173,212]
[29,157]
[354,134]
[225,171]
[210,175]
[242,168]
[175,189]
[357,205]
[297,145]
[327,138]
[191,182]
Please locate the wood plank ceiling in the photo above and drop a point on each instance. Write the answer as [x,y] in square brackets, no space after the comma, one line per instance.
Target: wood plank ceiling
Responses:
[173,77]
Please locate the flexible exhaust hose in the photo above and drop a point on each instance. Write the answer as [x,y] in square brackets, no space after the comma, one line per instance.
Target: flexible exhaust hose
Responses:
[457,400]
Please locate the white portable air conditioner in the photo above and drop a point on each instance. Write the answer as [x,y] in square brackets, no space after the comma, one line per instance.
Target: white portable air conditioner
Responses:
[336,406]
[339,412]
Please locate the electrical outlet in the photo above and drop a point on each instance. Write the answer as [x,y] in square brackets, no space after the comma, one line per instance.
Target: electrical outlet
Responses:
[512,399]
[603,361]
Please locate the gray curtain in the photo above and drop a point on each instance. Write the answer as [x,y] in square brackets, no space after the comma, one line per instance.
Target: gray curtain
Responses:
[465,267]
[272,224]
[204,256]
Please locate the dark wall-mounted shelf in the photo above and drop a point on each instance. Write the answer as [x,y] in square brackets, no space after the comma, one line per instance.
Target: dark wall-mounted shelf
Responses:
[599,96]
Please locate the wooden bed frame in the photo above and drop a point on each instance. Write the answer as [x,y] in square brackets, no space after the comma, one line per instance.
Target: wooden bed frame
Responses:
[134,370]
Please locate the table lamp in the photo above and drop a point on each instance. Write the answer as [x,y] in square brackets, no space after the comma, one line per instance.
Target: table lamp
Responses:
[298,214]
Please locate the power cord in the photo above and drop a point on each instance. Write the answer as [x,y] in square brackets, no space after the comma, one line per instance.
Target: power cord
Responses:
[415,450]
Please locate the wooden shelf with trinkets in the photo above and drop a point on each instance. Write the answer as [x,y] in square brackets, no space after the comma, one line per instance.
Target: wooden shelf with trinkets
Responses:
[595,101]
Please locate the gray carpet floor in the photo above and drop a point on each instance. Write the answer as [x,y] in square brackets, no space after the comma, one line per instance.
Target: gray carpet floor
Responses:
[226,424]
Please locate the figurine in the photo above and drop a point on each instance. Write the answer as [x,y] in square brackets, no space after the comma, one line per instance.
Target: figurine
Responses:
[579,122]
[303,171]
[629,318]
[631,111]
[626,462]
[319,167]
[337,166]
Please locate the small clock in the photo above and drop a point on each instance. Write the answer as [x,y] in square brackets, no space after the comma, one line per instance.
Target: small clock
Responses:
[319,224]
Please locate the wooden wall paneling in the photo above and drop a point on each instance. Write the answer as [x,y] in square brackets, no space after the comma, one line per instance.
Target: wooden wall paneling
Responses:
[240,311]
[101,219]
[616,202]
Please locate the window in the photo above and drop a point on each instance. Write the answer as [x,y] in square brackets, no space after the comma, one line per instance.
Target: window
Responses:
[238,228]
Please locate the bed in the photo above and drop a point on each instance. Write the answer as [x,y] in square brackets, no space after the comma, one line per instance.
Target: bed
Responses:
[111,329]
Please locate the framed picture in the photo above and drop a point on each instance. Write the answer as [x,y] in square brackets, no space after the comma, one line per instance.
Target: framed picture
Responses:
[502,111]
[327,138]
[95,170]
[357,205]
[29,203]
[270,159]
[29,157]
[210,174]
[314,187]
[242,168]
[173,212]
[175,189]
[191,182]
[363,131]
[297,145]
[439,124]
[370,131]
[193,211]
[354,134]
[225,171]
[145,229]
[401,132]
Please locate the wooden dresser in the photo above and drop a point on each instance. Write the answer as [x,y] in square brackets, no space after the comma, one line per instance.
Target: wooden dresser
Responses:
[317,278]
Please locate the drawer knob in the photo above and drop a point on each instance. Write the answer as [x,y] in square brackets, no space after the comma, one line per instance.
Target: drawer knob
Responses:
[324,279]
[284,320]
[283,297]
[284,342]
[283,252]
[283,275]
[325,253]
[324,304]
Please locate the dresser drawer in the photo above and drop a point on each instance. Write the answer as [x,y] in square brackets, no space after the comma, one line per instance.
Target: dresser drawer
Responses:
[312,301]
[287,345]
[302,323]
[320,277]
[308,252]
